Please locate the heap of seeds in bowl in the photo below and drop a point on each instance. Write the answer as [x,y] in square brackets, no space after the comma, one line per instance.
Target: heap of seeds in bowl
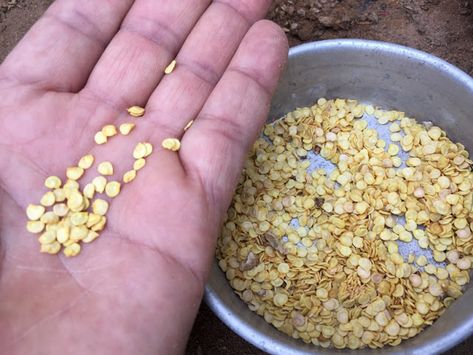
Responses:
[365,252]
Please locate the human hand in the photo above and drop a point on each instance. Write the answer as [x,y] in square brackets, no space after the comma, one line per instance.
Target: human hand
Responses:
[137,288]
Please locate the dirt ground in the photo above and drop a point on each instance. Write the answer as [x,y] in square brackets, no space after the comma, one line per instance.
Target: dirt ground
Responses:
[440,27]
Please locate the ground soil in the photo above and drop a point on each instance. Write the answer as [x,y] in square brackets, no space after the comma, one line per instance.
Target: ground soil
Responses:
[440,27]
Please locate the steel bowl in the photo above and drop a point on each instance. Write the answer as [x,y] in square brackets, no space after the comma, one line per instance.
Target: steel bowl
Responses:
[393,77]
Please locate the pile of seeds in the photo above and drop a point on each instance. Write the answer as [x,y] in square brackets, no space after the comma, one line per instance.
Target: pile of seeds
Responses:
[328,256]
[68,215]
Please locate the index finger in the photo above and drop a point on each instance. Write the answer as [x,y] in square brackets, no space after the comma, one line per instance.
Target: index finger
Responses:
[61,49]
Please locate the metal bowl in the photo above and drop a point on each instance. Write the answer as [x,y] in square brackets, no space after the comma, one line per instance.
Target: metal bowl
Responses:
[390,76]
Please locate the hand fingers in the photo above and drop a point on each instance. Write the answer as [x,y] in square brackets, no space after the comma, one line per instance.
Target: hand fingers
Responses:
[214,149]
[201,62]
[61,49]
[148,40]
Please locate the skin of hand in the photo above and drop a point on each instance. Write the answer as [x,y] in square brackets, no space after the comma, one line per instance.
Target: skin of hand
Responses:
[137,288]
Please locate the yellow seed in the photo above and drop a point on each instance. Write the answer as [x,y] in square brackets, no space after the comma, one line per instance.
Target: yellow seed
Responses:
[458,160]
[280,299]
[47,237]
[452,199]
[435,289]
[369,109]
[460,223]
[430,269]
[49,218]
[52,182]
[129,176]
[393,149]
[109,130]
[405,236]
[52,248]
[59,195]
[362,273]
[419,192]
[100,225]
[72,250]
[169,69]
[397,258]
[309,204]
[439,256]
[78,233]
[105,168]
[100,138]
[435,133]
[126,128]
[422,308]
[345,251]
[358,242]
[423,242]
[86,161]
[392,328]
[139,164]
[139,151]
[48,199]
[89,191]
[62,234]
[416,280]
[394,128]
[396,161]
[188,125]
[91,236]
[321,293]
[100,207]
[283,268]
[68,242]
[34,226]
[453,256]
[464,264]
[79,218]
[34,212]
[99,183]
[74,173]
[444,182]
[136,111]
[342,316]
[93,220]
[464,233]
[172,144]
[69,187]
[112,189]
[361,207]
[75,202]
[429,149]
[149,149]
[60,209]
[441,274]
[421,260]
[365,263]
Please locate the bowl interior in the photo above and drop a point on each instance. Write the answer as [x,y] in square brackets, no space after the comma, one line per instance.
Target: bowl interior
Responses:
[385,75]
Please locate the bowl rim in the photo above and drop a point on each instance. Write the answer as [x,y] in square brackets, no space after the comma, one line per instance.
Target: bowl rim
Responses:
[263,341]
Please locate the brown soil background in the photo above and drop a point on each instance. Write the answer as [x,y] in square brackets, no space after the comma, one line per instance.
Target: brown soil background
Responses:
[440,27]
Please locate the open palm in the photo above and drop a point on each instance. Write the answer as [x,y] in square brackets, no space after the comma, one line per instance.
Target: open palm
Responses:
[137,288]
